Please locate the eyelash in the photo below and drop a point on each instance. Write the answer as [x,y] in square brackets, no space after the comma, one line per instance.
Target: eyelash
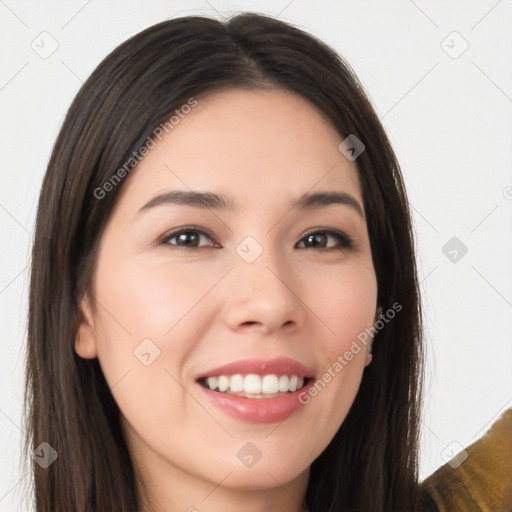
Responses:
[345,242]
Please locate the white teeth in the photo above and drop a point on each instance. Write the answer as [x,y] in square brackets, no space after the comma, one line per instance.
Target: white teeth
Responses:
[283,383]
[252,384]
[292,385]
[212,382]
[236,383]
[269,384]
[223,383]
[255,384]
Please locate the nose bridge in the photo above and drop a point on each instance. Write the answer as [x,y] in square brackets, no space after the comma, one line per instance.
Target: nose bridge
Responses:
[261,266]
[261,286]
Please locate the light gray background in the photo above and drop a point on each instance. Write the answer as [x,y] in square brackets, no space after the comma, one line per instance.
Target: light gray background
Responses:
[449,120]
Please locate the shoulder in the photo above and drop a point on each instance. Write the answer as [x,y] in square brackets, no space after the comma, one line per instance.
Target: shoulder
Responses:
[479,478]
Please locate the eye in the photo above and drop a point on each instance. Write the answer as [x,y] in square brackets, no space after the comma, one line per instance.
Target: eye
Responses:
[186,238]
[189,238]
[318,239]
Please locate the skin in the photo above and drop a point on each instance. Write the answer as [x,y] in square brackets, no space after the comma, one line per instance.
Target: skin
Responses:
[207,306]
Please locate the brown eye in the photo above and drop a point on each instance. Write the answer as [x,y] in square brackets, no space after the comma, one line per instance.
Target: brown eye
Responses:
[186,238]
[190,238]
[319,239]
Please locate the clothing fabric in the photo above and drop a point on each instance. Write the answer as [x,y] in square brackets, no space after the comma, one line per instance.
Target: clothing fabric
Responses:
[479,478]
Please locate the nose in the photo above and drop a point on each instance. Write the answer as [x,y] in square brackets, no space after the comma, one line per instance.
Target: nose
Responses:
[263,295]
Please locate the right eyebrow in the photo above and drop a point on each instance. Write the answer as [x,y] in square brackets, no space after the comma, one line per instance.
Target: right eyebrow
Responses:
[196,199]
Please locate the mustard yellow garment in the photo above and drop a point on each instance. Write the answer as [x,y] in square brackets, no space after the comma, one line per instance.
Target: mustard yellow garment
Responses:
[483,481]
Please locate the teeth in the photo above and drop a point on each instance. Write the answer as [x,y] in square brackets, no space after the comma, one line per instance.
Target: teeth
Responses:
[255,384]
[252,384]
[223,383]
[212,382]
[236,383]
[269,384]
[283,383]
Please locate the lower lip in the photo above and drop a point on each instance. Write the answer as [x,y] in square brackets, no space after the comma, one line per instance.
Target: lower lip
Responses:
[255,410]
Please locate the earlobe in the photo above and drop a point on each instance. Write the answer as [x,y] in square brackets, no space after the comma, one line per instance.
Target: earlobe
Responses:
[85,341]
[369,354]
[378,314]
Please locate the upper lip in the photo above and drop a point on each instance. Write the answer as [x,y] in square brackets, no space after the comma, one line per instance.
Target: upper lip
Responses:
[279,366]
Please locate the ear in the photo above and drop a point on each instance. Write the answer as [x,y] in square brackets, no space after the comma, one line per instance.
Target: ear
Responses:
[85,342]
[369,355]
[378,313]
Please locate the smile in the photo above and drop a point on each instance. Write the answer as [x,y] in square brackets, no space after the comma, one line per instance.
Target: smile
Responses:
[256,390]
[254,386]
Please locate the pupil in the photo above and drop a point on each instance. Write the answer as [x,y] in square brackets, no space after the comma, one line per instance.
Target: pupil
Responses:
[314,239]
[184,237]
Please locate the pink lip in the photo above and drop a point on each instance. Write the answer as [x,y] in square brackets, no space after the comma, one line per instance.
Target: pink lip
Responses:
[278,366]
[257,410]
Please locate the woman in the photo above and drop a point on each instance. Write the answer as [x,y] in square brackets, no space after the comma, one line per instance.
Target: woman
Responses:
[224,308]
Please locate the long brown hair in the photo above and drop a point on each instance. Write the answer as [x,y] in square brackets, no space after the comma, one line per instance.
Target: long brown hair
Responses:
[372,462]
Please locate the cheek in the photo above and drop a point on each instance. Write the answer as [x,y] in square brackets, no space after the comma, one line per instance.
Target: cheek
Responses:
[143,302]
[346,305]
[345,302]
[146,330]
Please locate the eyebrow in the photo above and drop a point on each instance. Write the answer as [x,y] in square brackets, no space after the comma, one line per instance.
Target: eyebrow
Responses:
[210,200]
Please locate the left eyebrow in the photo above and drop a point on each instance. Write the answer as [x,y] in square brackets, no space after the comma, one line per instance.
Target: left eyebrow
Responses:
[210,200]
[322,199]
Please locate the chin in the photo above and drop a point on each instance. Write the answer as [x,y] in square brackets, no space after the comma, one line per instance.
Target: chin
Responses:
[262,476]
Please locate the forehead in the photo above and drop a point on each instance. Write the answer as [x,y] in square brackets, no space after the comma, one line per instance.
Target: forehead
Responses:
[258,147]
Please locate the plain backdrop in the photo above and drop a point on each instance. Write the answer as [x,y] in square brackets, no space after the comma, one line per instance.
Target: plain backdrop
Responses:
[439,76]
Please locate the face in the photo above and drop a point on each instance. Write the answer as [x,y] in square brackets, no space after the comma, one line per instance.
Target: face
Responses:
[273,287]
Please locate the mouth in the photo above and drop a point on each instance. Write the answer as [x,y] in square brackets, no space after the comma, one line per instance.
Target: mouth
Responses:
[255,386]
[257,390]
